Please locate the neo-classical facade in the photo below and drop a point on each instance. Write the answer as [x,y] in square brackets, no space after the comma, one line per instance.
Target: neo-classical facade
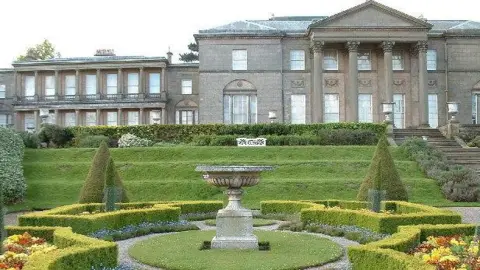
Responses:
[306,69]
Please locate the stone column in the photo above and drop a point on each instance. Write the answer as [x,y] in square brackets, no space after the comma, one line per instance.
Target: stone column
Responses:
[352,91]
[140,117]
[15,85]
[163,83]
[16,121]
[98,117]
[77,117]
[37,85]
[120,81]
[163,116]
[388,69]
[35,118]
[57,86]
[423,83]
[141,82]
[119,117]
[99,83]
[77,84]
[57,117]
[317,96]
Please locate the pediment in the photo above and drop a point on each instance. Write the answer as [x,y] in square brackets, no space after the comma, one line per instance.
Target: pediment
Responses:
[237,85]
[371,14]
[186,103]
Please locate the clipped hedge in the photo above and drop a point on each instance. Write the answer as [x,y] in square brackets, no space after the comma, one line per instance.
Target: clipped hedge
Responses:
[68,216]
[185,133]
[286,207]
[390,253]
[11,166]
[75,251]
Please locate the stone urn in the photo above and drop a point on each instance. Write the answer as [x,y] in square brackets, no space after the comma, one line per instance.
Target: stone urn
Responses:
[234,222]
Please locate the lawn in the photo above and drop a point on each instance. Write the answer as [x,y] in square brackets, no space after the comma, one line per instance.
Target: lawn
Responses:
[181,251]
[55,176]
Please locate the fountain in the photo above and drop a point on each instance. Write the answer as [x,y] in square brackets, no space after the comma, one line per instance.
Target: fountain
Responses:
[234,222]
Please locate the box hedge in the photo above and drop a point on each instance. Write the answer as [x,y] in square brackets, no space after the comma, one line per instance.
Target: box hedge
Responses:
[285,207]
[185,133]
[75,251]
[390,253]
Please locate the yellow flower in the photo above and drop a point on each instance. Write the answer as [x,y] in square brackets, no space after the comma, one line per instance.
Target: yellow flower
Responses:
[454,242]
[450,258]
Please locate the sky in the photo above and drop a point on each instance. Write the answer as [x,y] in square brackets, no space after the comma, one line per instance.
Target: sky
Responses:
[151,27]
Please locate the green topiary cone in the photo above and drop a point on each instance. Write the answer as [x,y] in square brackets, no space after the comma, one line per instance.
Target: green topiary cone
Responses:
[110,186]
[383,168]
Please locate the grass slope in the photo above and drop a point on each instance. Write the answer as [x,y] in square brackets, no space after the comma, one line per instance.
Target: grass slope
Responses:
[55,176]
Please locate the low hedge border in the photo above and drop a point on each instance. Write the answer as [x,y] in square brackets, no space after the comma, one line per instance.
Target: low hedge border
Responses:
[75,251]
[185,133]
[410,214]
[68,216]
[390,253]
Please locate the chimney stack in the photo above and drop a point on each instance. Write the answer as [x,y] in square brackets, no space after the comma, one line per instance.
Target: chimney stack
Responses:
[169,56]
[105,52]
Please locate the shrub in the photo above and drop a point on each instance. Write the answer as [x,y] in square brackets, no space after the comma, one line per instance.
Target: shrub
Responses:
[91,141]
[30,140]
[54,134]
[286,207]
[457,182]
[475,142]
[383,169]
[93,188]
[11,169]
[130,140]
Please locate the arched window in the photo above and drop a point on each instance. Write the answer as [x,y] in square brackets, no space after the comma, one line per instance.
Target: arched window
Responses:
[240,103]
[186,113]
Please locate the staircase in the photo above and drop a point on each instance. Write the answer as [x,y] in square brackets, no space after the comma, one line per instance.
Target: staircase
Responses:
[468,157]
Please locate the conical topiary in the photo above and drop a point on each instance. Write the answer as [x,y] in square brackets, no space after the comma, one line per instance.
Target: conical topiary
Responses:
[110,186]
[383,168]
[93,188]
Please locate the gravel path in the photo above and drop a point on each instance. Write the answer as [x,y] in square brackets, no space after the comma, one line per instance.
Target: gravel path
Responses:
[469,214]
[127,261]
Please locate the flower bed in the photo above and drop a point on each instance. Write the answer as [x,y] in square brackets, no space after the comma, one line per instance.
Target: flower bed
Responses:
[19,247]
[449,252]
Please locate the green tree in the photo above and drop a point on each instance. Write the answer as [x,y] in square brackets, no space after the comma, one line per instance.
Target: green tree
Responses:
[192,55]
[383,175]
[110,186]
[41,51]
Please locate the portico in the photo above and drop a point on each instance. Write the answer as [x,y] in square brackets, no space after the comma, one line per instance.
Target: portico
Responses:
[380,30]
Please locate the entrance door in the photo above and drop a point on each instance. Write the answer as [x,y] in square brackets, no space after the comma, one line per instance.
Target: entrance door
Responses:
[399,110]
[433,110]
[476,108]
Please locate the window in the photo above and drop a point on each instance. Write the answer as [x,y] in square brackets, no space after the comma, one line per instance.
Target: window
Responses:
[240,109]
[49,86]
[3,120]
[330,60]
[112,118]
[29,86]
[154,83]
[332,108]
[239,59]
[365,108]
[91,84]
[433,110]
[475,108]
[90,119]
[2,91]
[132,118]
[297,60]
[112,84]
[70,120]
[399,110]
[29,121]
[397,60]
[185,117]
[70,87]
[132,83]
[364,61]
[297,106]
[186,87]
[431,60]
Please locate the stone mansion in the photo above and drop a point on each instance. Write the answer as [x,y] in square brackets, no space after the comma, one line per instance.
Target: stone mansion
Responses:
[316,69]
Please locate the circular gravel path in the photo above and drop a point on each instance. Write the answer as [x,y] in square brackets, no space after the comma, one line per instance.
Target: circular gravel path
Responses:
[126,261]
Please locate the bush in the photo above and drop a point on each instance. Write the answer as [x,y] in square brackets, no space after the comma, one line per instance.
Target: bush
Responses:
[11,169]
[56,135]
[130,140]
[286,207]
[458,183]
[382,175]
[475,142]
[91,141]
[93,188]
[30,140]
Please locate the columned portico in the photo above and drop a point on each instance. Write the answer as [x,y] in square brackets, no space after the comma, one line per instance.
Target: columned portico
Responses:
[387,47]
[423,83]
[352,88]
[317,82]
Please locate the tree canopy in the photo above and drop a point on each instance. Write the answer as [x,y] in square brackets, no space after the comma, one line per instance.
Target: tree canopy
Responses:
[41,51]
[192,55]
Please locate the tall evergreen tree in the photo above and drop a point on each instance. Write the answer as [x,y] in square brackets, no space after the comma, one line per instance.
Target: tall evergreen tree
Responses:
[192,55]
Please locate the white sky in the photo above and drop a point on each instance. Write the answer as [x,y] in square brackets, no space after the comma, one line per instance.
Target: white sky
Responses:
[149,27]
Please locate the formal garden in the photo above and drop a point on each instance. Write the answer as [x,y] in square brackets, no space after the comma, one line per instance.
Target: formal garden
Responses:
[335,196]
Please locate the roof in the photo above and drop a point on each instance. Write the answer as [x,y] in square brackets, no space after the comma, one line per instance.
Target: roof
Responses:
[93,59]
[6,70]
